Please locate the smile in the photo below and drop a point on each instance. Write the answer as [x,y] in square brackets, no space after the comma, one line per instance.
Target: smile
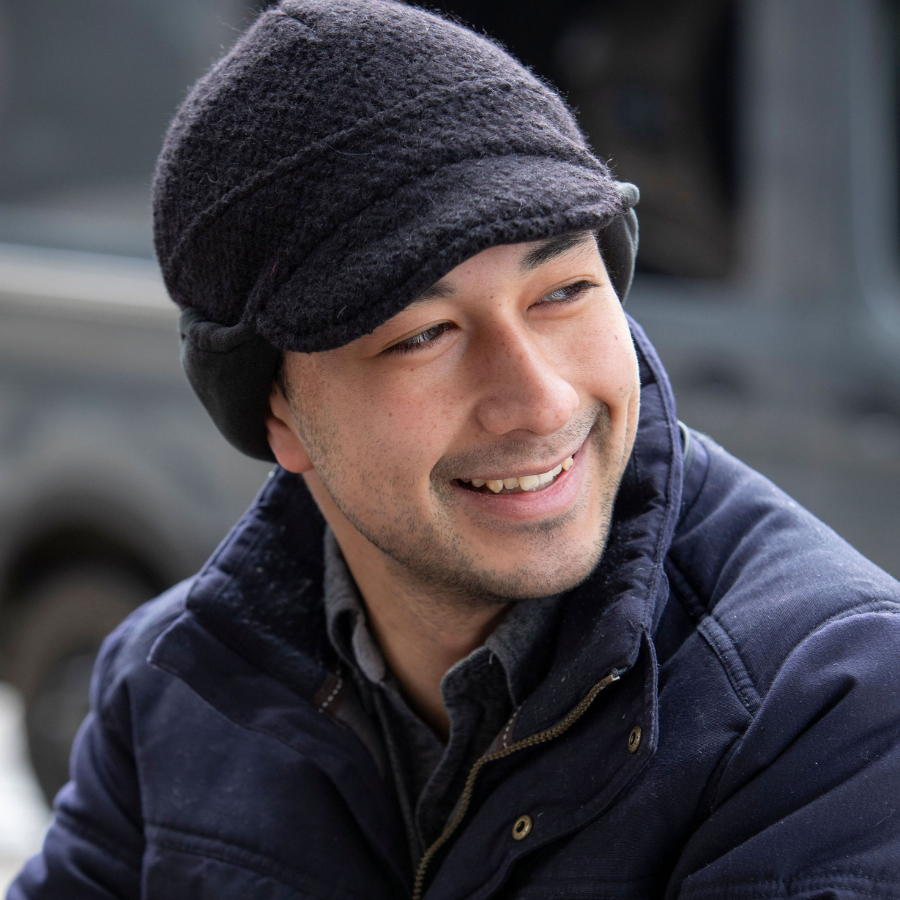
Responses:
[518,484]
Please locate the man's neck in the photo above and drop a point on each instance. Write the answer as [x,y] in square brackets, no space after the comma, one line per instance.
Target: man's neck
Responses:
[421,635]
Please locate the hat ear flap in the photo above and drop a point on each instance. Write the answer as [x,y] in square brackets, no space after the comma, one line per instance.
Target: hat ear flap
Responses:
[618,242]
[231,369]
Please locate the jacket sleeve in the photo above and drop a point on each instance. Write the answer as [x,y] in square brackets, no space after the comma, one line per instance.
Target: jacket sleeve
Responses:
[94,847]
[808,803]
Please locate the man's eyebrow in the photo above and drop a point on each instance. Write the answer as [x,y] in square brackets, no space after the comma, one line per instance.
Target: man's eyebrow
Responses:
[550,248]
[437,291]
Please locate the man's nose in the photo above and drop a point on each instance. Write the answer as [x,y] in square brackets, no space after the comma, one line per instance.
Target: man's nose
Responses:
[521,386]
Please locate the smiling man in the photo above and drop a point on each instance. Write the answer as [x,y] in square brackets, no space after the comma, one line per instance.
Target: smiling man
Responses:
[467,452]
[498,626]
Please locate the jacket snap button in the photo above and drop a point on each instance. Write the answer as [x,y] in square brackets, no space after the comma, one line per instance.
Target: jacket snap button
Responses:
[522,827]
[634,739]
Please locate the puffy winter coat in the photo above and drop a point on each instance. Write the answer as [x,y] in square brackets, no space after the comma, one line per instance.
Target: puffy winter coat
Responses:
[721,719]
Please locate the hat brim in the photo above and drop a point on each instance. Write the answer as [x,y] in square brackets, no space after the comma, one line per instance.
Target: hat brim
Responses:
[370,268]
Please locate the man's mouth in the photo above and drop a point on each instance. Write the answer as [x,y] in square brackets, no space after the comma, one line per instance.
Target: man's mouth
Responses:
[518,484]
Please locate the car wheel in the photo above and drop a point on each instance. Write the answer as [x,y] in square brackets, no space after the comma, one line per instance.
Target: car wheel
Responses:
[64,620]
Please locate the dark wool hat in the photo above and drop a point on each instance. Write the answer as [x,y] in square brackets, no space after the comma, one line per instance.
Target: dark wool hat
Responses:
[344,156]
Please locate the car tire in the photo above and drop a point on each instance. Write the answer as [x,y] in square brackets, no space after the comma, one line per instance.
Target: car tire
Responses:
[65,618]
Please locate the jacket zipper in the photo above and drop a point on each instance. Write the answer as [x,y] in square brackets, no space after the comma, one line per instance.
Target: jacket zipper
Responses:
[540,737]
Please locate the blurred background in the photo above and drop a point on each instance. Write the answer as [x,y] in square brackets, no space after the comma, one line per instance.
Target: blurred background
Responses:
[763,136]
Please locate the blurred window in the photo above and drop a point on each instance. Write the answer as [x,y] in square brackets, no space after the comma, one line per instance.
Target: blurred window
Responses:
[87,88]
[654,85]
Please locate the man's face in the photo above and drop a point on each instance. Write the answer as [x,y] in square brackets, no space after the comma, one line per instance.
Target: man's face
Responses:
[515,363]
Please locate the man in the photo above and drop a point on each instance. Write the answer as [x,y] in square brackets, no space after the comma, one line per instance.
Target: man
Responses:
[498,626]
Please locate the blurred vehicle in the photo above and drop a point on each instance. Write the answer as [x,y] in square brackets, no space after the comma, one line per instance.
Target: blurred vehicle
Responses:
[762,134]
[113,483]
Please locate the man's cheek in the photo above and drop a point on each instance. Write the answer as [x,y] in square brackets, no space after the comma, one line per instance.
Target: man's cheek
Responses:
[422,419]
[394,450]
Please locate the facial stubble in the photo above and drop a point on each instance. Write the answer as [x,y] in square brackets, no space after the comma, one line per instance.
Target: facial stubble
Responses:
[429,556]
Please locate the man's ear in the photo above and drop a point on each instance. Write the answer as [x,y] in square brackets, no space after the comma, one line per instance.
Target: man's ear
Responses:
[283,438]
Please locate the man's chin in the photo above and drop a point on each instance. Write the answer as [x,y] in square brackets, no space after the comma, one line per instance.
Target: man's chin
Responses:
[538,578]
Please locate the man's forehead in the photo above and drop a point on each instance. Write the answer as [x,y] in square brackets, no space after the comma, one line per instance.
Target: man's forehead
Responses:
[534,255]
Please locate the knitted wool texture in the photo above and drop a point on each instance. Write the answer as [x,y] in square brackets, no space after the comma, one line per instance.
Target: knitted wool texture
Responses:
[345,155]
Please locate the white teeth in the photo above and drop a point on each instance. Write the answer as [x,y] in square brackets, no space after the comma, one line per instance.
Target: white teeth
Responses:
[523,482]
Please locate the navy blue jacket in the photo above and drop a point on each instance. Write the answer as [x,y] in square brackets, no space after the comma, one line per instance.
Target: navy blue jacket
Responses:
[721,719]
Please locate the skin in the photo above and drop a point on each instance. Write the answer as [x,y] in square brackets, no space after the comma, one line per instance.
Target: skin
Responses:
[518,358]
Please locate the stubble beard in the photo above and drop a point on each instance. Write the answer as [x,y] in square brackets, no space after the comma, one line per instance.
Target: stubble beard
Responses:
[431,559]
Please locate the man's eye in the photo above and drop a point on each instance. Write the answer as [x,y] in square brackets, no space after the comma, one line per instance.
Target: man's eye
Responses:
[567,292]
[410,345]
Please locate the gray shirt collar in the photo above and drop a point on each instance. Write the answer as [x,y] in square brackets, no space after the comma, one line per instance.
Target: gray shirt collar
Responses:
[520,642]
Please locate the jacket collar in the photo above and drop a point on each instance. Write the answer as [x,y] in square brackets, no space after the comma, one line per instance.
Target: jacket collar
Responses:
[260,594]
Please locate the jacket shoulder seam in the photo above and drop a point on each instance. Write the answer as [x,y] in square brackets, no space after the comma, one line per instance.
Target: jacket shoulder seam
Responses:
[859,609]
[718,640]
[718,636]
[725,648]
